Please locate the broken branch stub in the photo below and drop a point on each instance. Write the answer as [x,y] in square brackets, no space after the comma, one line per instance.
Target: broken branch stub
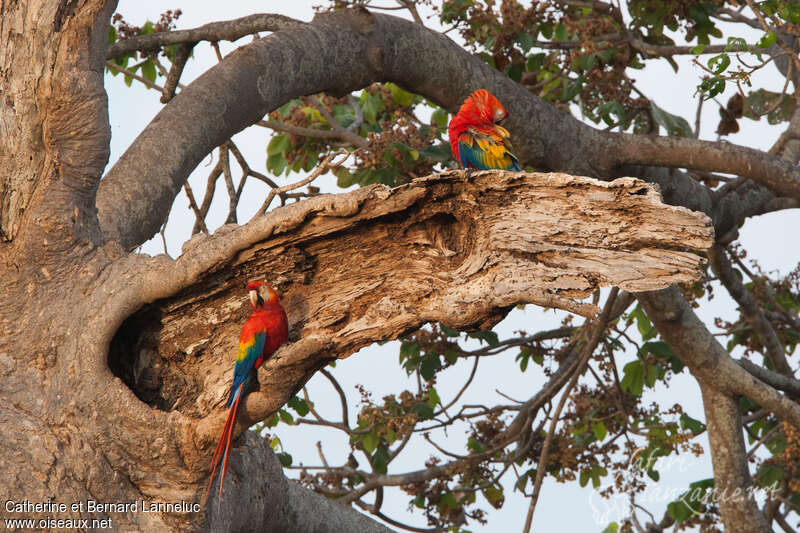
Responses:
[375,263]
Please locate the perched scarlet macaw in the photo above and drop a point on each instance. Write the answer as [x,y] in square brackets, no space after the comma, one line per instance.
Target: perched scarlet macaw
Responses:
[476,138]
[265,330]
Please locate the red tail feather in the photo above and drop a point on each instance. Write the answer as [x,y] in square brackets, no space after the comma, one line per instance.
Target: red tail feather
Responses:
[226,457]
[223,444]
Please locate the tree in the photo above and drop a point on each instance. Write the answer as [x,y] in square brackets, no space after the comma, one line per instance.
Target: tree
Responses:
[113,362]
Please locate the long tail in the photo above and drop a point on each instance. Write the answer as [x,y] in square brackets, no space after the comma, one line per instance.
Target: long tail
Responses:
[224,445]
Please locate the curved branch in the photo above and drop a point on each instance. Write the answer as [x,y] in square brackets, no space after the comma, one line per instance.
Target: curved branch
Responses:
[346,50]
[706,358]
[228,30]
[779,175]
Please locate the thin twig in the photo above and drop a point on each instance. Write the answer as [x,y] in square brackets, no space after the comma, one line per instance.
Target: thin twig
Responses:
[198,217]
[147,83]
[588,350]
[174,76]
[323,167]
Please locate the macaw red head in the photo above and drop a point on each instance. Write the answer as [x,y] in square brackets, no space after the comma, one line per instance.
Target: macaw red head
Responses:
[481,110]
[261,293]
[484,107]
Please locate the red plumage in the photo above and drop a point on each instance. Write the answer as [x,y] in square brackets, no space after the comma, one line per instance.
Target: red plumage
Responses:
[263,333]
[476,138]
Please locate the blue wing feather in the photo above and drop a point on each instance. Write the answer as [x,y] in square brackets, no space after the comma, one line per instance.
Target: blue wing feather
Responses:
[472,156]
[244,363]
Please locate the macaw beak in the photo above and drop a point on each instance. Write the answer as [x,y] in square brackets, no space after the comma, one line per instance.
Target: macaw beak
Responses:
[500,115]
[253,298]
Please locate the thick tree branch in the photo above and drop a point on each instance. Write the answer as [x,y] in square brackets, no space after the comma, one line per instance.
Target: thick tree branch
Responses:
[332,51]
[228,30]
[787,384]
[732,484]
[708,361]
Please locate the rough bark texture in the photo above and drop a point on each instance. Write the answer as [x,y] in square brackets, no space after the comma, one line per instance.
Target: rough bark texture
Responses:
[375,263]
[470,249]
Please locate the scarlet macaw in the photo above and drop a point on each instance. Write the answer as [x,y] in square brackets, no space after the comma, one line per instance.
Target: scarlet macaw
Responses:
[476,138]
[264,331]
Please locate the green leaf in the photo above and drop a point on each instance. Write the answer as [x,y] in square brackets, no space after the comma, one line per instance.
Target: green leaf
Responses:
[514,71]
[607,109]
[688,504]
[370,442]
[279,144]
[344,178]
[451,355]
[433,398]
[762,101]
[572,89]
[299,405]
[523,357]
[561,32]
[440,117]
[599,430]
[712,87]
[423,411]
[675,125]
[400,97]
[275,443]
[285,459]
[273,421]
[736,44]
[633,379]
[651,375]
[276,164]
[767,40]
[770,475]
[112,34]
[719,63]
[286,417]
[663,351]
[429,365]
[643,324]
[147,29]
[525,41]
[149,70]
[613,527]
[371,105]
[475,445]
[695,426]
[534,62]
[584,477]
[490,337]
[494,496]
[697,50]
[380,459]
[448,502]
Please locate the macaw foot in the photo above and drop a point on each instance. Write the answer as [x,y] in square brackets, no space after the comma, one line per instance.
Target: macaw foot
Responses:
[469,174]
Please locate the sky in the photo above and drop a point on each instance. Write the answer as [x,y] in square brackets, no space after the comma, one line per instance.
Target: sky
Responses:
[566,507]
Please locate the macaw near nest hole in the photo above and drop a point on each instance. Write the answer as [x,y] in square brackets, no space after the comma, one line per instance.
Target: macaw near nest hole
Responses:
[476,137]
[263,333]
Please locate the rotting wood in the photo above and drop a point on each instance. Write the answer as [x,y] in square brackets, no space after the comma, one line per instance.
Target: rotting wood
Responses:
[375,263]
